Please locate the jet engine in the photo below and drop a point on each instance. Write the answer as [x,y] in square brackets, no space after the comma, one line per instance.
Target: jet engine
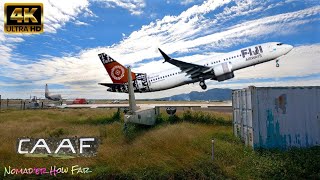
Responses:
[223,71]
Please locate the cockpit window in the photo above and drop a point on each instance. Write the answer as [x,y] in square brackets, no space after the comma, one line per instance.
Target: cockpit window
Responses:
[279,44]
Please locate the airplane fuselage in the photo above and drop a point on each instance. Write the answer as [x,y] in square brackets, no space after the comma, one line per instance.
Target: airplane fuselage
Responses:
[55,97]
[220,68]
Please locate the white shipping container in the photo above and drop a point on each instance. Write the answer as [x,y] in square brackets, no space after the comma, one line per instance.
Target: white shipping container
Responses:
[277,117]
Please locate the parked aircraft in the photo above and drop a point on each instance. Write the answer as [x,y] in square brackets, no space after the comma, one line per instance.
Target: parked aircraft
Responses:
[53,97]
[219,68]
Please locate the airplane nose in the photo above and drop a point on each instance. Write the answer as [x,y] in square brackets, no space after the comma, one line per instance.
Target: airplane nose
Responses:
[288,48]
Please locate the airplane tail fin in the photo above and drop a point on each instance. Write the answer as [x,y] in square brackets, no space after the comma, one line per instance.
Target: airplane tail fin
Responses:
[165,56]
[46,94]
[117,72]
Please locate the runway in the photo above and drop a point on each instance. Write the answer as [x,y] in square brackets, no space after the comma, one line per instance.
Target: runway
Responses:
[212,106]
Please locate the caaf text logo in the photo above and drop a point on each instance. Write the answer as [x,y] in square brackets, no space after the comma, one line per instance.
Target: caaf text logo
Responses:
[23,18]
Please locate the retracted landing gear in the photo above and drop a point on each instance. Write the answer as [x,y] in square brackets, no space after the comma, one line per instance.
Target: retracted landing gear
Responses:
[277,63]
[203,84]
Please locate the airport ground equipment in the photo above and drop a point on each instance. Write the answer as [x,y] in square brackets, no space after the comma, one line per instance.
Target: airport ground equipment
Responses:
[33,103]
[145,116]
[277,117]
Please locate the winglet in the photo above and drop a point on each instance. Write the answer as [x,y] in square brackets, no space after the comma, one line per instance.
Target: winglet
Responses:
[165,56]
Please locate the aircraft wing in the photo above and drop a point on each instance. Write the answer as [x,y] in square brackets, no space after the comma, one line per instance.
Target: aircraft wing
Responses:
[194,70]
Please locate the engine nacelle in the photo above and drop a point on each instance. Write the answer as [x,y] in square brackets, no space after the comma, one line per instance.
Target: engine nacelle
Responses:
[223,71]
[225,77]
[223,68]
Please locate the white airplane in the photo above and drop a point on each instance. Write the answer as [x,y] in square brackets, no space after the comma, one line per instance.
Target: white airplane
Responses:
[53,97]
[219,68]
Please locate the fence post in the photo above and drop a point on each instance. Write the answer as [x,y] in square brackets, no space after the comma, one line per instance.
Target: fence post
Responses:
[42,105]
[24,105]
[0,102]
[7,103]
[21,105]
[212,141]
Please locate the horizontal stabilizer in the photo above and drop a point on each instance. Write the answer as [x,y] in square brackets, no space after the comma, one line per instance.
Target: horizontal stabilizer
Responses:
[112,84]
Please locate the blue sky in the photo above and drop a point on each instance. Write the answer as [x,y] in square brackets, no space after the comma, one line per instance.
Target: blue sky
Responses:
[65,55]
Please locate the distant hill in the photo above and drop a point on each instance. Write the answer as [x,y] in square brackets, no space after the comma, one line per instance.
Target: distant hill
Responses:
[212,94]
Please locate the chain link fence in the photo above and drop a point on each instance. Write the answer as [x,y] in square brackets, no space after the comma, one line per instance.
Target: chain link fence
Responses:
[22,104]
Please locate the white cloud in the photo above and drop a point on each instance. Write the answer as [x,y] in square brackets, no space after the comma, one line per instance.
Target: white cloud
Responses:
[133,49]
[81,74]
[185,2]
[180,33]
[56,14]
[5,53]
[80,23]
[134,6]
[190,32]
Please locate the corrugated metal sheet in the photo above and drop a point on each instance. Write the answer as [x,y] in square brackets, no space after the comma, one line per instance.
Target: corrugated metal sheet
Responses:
[277,117]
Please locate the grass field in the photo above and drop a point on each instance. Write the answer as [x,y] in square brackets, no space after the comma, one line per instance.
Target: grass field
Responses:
[177,147]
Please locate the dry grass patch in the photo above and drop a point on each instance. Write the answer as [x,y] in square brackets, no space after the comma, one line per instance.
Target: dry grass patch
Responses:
[177,148]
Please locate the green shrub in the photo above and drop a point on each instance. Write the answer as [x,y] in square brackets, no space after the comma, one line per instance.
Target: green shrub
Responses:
[206,118]
[160,119]
[56,133]
[173,119]
[116,116]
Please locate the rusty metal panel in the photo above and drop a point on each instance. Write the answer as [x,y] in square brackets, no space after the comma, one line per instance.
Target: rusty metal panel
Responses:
[279,117]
